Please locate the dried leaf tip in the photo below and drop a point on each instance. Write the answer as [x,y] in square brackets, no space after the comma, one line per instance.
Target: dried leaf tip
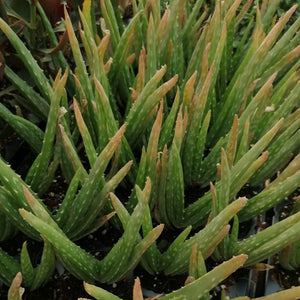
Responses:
[24,213]
[240,259]
[241,201]
[137,290]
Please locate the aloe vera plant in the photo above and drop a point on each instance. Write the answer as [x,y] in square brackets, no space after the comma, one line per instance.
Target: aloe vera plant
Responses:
[189,95]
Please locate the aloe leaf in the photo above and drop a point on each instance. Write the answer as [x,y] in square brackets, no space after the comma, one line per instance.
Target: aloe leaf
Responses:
[9,267]
[258,103]
[203,238]
[88,42]
[222,200]
[175,60]
[140,179]
[151,259]
[37,104]
[200,146]
[197,266]
[283,65]
[192,18]
[99,201]
[101,70]
[189,148]
[109,268]
[14,184]
[175,246]
[283,111]
[270,240]
[283,45]
[26,266]
[175,188]
[38,208]
[151,63]
[147,166]
[122,49]
[244,76]
[86,137]
[164,36]
[146,243]
[120,209]
[45,269]
[207,173]
[35,71]
[168,124]
[161,188]
[99,293]
[63,210]
[7,229]
[24,128]
[108,127]
[143,106]
[10,207]
[15,291]
[289,294]
[77,261]
[40,166]
[242,165]
[88,12]
[276,30]
[205,283]
[271,196]
[72,153]
[81,72]
[92,184]
[111,21]
[137,290]
[280,152]
[153,140]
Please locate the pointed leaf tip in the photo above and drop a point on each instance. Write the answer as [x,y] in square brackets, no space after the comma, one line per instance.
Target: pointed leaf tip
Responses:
[137,290]
[242,201]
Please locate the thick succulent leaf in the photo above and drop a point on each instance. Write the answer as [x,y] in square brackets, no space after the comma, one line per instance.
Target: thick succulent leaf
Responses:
[27,130]
[92,185]
[177,260]
[40,167]
[36,103]
[32,66]
[110,266]
[45,269]
[27,269]
[9,267]
[15,291]
[99,293]
[269,241]
[99,202]
[75,259]
[7,229]
[205,283]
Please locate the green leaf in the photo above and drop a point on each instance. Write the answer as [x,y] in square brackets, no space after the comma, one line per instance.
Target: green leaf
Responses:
[26,266]
[270,240]
[9,267]
[205,283]
[35,71]
[76,260]
[91,186]
[40,166]
[45,269]
[99,293]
